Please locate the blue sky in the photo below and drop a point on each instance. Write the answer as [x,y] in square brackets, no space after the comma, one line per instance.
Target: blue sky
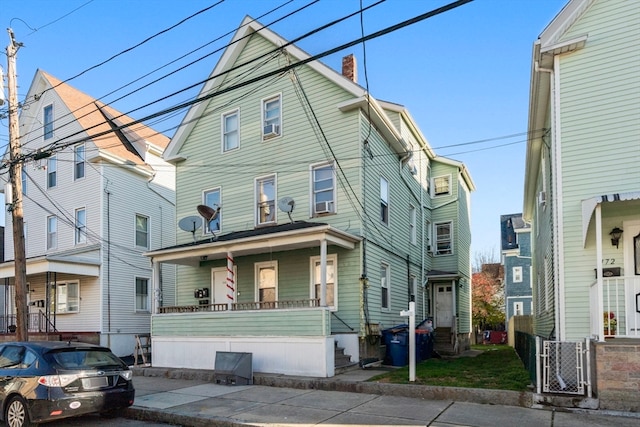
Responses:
[463,75]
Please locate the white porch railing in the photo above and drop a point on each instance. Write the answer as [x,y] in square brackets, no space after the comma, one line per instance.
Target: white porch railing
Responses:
[618,312]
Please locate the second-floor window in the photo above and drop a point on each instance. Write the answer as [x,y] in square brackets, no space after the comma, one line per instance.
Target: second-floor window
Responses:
[385,288]
[78,162]
[52,172]
[142,231]
[47,114]
[441,185]
[230,131]
[81,226]
[412,225]
[142,294]
[384,201]
[324,189]
[271,117]
[517,274]
[444,243]
[212,199]
[24,182]
[52,232]
[266,200]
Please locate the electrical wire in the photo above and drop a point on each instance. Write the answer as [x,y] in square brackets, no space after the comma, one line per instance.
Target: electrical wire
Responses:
[253,80]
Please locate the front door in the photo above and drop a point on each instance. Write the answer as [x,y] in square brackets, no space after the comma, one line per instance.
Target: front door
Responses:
[444,306]
[631,245]
[219,290]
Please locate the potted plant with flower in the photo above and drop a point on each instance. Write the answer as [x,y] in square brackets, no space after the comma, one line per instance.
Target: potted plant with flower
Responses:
[610,323]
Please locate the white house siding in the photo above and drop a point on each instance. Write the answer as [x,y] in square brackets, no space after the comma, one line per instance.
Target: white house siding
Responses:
[464,258]
[599,120]
[127,195]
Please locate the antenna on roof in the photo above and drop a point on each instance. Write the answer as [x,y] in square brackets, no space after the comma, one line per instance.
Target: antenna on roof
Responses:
[286,204]
[191,224]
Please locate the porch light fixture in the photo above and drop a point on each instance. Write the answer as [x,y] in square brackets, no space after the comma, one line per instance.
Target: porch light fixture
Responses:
[615,236]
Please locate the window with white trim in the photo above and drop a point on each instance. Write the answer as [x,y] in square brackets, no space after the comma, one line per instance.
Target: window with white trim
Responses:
[517,274]
[212,198]
[412,225]
[52,232]
[142,294]
[265,200]
[518,308]
[81,226]
[331,279]
[24,182]
[142,231]
[67,298]
[78,161]
[52,172]
[384,201]
[385,286]
[47,114]
[444,241]
[266,281]
[441,185]
[323,183]
[414,287]
[231,130]
[272,117]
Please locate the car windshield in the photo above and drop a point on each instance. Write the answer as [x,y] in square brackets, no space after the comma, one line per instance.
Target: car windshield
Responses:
[86,358]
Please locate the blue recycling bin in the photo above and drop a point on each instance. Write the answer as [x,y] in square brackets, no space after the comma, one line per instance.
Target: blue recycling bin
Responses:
[396,340]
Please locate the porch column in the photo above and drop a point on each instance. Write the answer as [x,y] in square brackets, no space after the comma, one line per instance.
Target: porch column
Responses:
[231,282]
[323,273]
[155,301]
[600,279]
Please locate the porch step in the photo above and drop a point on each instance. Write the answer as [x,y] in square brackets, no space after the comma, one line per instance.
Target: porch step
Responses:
[442,343]
[342,361]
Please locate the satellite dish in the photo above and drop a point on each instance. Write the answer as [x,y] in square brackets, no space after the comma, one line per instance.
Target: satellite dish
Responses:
[209,214]
[286,204]
[190,224]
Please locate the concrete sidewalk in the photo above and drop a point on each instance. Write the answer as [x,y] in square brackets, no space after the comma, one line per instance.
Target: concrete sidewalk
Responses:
[193,399]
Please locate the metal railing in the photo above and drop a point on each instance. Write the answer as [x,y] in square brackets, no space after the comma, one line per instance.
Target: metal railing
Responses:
[617,311]
[36,322]
[242,306]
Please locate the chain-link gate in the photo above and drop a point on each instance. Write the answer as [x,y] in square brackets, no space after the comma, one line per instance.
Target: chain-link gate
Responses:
[565,367]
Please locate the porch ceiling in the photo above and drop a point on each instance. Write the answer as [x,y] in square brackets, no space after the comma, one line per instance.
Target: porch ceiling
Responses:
[78,266]
[284,237]
[589,205]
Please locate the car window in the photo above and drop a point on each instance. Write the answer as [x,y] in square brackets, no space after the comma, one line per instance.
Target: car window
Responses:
[86,359]
[11,356]
[29,358]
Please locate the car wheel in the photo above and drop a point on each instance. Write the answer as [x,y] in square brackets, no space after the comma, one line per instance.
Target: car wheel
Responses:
[16,414]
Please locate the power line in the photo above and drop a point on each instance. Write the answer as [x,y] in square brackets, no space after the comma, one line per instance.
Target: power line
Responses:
[278,71]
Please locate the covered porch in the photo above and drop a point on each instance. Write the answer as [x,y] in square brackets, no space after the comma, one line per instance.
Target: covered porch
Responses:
[270,291]
[614,296]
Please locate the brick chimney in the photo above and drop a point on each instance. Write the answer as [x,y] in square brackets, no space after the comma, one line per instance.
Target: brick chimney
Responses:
[349,68]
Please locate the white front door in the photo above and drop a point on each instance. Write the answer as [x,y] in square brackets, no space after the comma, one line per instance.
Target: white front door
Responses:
[444,306]
[631,239]
[219,290]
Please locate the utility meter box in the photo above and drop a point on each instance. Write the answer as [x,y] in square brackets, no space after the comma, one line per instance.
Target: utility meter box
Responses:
[233,368]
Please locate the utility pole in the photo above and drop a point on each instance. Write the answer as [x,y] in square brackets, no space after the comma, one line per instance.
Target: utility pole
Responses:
[15,173]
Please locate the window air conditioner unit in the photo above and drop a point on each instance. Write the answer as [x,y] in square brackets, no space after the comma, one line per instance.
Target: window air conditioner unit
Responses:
[323,207]
[271,130]
[542,197]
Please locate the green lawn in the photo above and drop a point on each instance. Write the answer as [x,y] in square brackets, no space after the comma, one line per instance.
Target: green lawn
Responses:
[497,367]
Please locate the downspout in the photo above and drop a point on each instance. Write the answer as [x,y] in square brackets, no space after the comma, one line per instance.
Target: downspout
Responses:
[108,268]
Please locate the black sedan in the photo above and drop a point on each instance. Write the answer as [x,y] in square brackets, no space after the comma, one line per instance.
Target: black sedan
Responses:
[49,380]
